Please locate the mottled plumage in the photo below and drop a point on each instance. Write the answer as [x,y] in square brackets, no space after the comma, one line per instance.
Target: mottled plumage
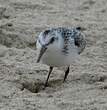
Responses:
[60,47]
[72,33]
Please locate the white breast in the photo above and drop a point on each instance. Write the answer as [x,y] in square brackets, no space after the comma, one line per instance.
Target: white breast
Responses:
[55,57]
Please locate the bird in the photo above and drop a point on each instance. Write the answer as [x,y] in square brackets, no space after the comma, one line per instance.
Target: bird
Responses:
[60,46]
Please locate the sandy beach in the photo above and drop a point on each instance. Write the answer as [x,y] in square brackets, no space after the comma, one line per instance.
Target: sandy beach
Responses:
[22,79]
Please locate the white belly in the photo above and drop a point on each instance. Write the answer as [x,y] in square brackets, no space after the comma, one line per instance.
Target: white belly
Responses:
[57,58]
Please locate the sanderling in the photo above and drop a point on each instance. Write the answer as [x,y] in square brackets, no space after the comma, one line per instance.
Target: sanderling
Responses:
[60,47]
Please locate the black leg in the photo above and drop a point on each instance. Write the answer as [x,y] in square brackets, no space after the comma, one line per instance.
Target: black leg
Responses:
[66,74]
[50,70]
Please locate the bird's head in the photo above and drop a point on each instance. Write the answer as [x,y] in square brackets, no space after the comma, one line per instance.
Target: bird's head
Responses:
[47,39]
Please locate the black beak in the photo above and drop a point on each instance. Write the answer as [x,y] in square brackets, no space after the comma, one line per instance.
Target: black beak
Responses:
[42,51]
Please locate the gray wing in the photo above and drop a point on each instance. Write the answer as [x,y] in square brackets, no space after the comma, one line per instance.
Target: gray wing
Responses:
[80,41]
[73,33]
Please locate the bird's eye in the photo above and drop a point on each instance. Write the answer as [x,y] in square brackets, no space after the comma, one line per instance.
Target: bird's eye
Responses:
[52,40]
[39,40]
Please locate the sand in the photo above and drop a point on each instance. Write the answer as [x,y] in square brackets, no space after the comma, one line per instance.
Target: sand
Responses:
[22,79]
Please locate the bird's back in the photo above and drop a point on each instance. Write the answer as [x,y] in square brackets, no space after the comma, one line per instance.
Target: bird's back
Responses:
[72,37]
